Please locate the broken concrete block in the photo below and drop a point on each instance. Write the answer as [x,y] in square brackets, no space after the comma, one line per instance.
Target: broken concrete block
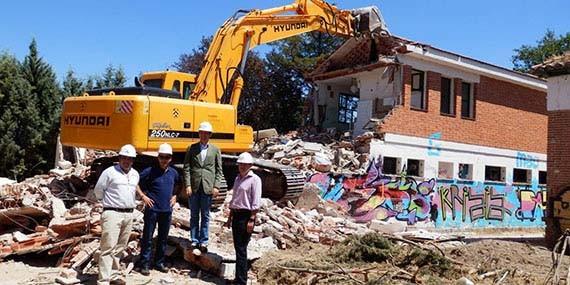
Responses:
[264,134]
[279,155]
[57,207]
[321,163]
[310,197]
[227,271]
[311,147]
[386,227]
[61,172]
[20,237]
[67,281]
[64,164]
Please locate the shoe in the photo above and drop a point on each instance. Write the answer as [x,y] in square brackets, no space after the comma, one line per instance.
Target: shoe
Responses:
[118,282]
[144,271]
[161,268]
[194,245]
[204,248]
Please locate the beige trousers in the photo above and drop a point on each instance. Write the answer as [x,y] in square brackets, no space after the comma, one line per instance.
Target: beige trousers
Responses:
[116,230]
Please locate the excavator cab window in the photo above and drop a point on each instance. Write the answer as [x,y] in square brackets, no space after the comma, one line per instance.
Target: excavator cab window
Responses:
[176,86]
[156,83]
[187,89]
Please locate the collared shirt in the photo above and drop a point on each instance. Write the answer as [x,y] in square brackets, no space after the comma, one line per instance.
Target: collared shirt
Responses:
[116,188]
[203,151]
[247,192]
[158,185]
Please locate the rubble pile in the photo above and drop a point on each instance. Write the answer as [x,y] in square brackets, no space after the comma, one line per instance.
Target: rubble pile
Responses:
[338,156]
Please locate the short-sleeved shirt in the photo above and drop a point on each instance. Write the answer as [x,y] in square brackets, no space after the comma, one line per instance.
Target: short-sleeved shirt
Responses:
[117,189]
[158,185]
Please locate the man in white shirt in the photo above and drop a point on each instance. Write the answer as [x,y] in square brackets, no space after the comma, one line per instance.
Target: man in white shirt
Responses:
[116,189]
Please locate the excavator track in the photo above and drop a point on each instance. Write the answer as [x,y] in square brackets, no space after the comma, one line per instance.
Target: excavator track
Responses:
[280,183]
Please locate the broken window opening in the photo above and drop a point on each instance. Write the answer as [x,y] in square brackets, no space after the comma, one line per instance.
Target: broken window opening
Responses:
[542,177]
[465,171]
[495,173]
[445,170]
[522,175]
[390,165]
[347,106]
[415,167]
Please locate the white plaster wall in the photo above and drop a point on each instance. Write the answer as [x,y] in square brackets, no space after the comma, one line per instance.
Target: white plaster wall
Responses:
[364,114]
[375,84]
[558,93]
[446,71]
[406,147]
[324,98]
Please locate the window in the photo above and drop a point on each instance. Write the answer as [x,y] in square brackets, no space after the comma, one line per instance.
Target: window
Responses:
[187,89]
[542,177]
[176,86]
[418,94]
[465,171]
[467,101]
[156,83]
[495,173]
[445,170]
[415,167]
[522,175]
[347,105]
[447,105]
[390,165]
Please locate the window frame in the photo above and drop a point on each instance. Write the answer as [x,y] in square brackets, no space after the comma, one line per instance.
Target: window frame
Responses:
[451,99]
[397,163]
[528,176]
[343,117]
[502,170]
[422,88]
[439,167]
[421,166]
[469,172]
[471,101]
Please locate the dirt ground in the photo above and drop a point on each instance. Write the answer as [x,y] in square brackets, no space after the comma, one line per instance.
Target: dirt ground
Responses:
[519,262]
[483,262]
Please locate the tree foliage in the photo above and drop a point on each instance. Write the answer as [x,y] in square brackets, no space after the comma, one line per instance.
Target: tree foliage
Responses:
[72,86]
[549,45]
[111,78]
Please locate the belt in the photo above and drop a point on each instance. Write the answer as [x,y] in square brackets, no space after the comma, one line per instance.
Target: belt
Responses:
[122,210]
[240,210]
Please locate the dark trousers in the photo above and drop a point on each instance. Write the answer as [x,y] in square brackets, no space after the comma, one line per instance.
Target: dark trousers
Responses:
[151,218]
[241,239]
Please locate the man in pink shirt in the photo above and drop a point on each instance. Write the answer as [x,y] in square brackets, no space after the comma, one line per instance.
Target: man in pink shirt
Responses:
[244,206]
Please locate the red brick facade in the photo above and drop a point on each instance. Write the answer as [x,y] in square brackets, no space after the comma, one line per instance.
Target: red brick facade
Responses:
[506,115]
[558,170]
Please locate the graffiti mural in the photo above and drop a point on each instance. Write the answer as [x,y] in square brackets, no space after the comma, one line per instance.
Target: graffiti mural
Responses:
[445,203]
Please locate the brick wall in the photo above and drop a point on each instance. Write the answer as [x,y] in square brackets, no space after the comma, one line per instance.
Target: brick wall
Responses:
[506,115]
[558,167]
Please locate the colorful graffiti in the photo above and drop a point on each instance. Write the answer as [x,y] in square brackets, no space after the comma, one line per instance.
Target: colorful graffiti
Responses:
[445,203]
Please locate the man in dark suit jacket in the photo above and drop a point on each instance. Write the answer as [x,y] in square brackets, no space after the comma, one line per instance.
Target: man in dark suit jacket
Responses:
[203,175]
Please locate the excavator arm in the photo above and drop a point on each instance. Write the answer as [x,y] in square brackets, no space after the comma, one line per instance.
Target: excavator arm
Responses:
[226,57]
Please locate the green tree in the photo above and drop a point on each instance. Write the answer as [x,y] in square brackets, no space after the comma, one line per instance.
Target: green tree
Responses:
[550,45]
[192,62]
[48,97]
[21,125]
[112,77]
[72,86]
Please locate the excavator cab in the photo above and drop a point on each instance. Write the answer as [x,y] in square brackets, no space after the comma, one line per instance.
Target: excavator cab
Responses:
[180,82]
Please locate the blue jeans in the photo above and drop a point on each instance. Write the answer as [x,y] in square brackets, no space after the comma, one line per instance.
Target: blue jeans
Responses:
[151,218]
[200,203]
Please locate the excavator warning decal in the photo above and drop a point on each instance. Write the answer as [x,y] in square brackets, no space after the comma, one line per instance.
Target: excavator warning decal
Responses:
[125,107]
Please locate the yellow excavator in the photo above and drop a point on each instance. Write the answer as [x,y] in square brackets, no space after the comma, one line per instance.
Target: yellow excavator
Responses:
[168,106]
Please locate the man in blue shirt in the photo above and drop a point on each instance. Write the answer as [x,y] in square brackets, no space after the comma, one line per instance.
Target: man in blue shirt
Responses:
[157,184]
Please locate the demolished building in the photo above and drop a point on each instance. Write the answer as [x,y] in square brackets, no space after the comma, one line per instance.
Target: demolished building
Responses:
[473,134]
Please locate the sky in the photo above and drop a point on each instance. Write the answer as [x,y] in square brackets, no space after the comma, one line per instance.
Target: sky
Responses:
[139,36]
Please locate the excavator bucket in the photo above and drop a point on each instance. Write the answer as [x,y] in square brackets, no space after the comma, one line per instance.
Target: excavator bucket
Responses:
[368,20]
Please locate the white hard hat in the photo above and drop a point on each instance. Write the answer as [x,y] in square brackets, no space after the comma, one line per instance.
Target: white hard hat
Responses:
[206,127]
[128,151]
[165,149]
[245,158]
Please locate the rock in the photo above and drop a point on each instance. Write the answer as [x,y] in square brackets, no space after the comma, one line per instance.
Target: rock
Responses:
[167,280]
[20,237]
[264,134]
[321,163]
[66,281]
[61,172]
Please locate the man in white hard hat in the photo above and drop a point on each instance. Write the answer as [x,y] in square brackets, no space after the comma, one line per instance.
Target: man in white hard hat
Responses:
[157,189]
[244,206]
[203,176]
[116,188]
